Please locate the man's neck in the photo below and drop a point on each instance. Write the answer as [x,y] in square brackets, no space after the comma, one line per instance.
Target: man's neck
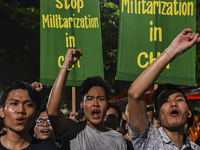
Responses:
[14,141]
[176,136]
[99,127]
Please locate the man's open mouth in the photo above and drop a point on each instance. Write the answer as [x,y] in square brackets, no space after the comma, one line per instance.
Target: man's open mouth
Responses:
[20,120]
[45,131]
[174,113]
[95,114]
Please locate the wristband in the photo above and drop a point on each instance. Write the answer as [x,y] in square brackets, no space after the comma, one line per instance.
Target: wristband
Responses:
[167,54]
[67,68]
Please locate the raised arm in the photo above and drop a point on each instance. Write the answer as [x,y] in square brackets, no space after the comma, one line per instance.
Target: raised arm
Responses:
[58,119]
[138,117]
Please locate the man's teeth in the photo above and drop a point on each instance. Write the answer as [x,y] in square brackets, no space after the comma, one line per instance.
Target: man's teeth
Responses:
[45,131]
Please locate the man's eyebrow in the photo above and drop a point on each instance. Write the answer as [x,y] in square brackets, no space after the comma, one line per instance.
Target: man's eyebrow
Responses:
[17,100]
[180,95]
[88,96]
[41,118]
[12,99]
[101,96]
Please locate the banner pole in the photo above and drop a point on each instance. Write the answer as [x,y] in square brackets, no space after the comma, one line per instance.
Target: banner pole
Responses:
[73,99]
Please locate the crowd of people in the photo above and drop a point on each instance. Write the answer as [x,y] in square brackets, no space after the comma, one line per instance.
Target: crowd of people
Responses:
[26,125]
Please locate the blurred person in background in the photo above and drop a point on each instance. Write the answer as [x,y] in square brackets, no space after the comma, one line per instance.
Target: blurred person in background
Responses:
[113,117]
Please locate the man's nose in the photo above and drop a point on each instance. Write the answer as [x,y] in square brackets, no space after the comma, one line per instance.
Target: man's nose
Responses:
[174,103]
[21,109]
[96,102]
[45,124]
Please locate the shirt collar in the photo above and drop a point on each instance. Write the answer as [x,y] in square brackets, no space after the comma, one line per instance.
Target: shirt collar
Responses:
[166,139]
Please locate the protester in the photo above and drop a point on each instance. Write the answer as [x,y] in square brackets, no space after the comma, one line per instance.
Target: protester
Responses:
[90,134]
[113,117]
[125,116]
[19,108]
[170,103]
[43,129]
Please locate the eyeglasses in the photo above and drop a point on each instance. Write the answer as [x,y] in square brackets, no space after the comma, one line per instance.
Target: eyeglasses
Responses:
[40,121]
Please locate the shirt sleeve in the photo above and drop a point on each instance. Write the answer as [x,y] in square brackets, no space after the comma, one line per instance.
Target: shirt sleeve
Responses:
[73,130]
[140,140]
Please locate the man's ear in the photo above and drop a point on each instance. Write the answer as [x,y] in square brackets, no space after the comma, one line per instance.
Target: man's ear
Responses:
[1,112]
[156,120]
[81,104]
[189,114]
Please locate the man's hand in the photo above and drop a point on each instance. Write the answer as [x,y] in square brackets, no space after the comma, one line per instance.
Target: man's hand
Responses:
[72,56]
[185,40]
[38,86]
[73,116]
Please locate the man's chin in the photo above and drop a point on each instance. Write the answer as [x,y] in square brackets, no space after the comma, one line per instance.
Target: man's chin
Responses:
[174,127]
[95,122]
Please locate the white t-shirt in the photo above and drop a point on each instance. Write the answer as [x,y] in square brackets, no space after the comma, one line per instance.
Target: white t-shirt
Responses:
[82,137]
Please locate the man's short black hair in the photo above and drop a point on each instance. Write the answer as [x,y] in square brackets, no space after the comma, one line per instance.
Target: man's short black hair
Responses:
[163,92]
[91,82]
[33,93]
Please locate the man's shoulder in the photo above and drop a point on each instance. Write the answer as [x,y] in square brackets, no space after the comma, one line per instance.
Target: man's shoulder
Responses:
[114,133]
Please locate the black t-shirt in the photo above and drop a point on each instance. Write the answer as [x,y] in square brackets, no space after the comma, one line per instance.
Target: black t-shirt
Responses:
[36,145]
